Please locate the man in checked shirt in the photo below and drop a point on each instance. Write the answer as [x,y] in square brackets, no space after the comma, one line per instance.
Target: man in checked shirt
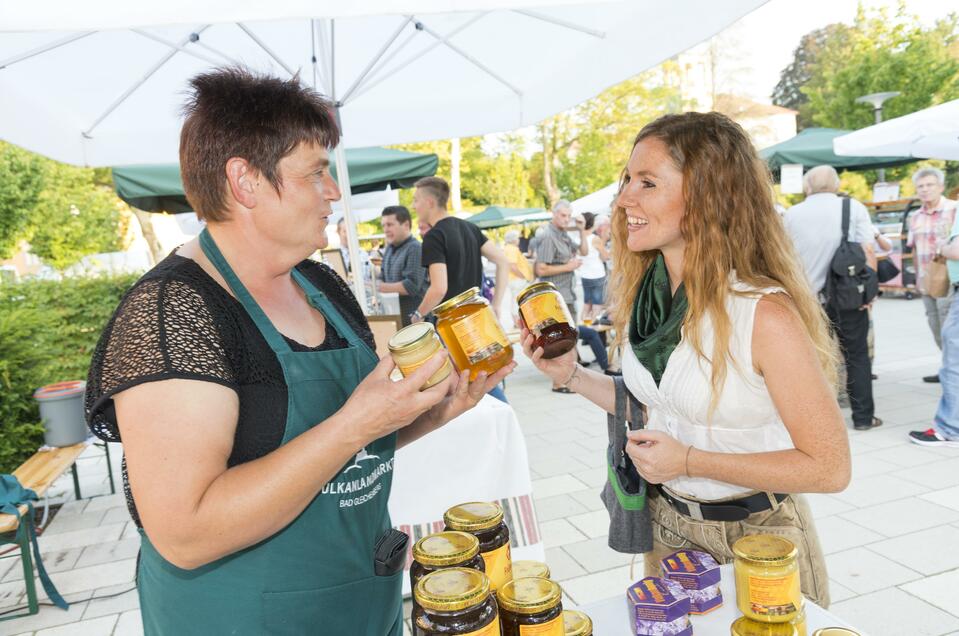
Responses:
[402,270]
[929,229]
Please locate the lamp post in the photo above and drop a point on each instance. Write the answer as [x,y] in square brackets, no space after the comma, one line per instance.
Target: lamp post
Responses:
[876,99]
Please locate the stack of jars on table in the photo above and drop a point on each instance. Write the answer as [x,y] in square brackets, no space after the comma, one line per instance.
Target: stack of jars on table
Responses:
[465,583]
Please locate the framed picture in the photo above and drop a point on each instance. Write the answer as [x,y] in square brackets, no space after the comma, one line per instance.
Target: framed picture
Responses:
[383,328]
[334,258]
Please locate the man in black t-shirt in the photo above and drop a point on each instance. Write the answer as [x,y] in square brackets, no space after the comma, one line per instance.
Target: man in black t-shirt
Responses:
[452,250]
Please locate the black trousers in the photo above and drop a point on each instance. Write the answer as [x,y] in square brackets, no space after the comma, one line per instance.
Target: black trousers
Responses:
[852,331]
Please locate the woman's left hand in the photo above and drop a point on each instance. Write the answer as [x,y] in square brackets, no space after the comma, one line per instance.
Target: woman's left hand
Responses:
[464,394]
[657,456]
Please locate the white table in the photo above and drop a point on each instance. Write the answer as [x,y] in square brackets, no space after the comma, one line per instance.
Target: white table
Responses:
[479,456]
[611,617]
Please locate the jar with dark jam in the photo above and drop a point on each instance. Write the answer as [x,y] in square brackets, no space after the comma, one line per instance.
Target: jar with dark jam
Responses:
[485,521]
[440,551]
[545,315]
[455,602]
[577,623]
[531,605]
[524,569]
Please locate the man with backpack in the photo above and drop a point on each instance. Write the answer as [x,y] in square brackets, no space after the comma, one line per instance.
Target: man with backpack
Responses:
[842,269]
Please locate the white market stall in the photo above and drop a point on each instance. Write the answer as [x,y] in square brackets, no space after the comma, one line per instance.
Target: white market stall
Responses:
[932,133]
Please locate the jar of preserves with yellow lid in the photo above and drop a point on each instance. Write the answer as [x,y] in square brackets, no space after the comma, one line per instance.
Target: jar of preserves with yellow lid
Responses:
[443,550]
[411,347]
[767,578]
[531,606]
[474,337]
[455,602]
[524,569]
[747,627]
[545,315]
[484,520]
[577,624]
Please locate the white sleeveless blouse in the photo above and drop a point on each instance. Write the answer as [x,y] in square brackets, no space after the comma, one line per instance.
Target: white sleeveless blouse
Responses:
[745,420]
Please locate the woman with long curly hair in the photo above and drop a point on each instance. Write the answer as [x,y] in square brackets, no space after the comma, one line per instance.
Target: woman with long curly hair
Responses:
[725,346]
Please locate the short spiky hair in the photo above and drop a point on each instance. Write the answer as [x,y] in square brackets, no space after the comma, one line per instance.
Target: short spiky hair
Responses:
[234,112]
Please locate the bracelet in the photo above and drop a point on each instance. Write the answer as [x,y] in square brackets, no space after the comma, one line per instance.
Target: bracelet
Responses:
[688,451]
[571,377]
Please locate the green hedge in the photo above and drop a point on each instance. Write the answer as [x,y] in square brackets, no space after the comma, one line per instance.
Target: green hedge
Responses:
[48,330]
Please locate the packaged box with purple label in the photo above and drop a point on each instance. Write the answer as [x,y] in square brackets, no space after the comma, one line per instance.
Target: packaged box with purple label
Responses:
[659,607]
[698,573]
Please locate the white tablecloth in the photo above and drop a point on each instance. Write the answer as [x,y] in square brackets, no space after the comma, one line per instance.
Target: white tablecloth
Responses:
[611,617]
[479,456]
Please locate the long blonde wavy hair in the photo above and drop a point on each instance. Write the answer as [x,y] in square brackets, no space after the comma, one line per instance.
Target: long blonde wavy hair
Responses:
[730,223]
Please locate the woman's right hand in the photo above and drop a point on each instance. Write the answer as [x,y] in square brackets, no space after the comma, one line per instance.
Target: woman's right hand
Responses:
[380,406]
[557,369]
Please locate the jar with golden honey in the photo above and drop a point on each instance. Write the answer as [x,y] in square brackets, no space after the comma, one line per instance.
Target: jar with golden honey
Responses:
[484,520]
[747,627]
[767,578]
[545,314]
[531,606]
[577,624]
[411,347]
[455,602]
[474,337]
[525,569]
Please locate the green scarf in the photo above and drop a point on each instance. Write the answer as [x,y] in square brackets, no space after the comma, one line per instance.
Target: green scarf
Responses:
[657,322]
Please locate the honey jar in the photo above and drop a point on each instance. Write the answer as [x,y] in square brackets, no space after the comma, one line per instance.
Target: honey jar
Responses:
[474,337]
[525,569]
[440,551]
[577,624]
[767,578]
[485,521]
[455,602]
[531,606]
[545,315]
[411,347]
[743,626]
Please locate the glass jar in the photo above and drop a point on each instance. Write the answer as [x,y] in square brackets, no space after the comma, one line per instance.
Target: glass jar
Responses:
[411,347]
[545,315]
[474,337]
[531,605]
[455,602]
[485,521]
[834,631]
[526,569]
[747,627]
[767,578]
[577,624]
[440,551]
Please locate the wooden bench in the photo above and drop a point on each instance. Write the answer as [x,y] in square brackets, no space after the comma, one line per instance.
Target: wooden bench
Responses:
[38,473]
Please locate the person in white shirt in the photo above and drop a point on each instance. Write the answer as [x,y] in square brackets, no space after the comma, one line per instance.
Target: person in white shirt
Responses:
[815,226]
[727,349]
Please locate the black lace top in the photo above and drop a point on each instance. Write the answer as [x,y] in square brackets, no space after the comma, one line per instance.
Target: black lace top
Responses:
[177,322]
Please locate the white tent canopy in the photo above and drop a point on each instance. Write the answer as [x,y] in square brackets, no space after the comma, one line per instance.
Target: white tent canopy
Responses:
[599,202]
[932,133]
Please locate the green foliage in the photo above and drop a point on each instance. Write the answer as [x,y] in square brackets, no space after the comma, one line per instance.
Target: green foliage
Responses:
[48,330]
[21,179]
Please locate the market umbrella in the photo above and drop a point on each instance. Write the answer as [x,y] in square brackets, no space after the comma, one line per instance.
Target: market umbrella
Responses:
[101,83]
[932,133]
[498,216]
[158,188]
[813,147]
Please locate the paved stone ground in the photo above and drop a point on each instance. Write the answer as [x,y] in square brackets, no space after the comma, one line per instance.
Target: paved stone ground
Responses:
[892,538]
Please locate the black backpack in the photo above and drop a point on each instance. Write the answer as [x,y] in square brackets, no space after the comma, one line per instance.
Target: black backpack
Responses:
[850,282]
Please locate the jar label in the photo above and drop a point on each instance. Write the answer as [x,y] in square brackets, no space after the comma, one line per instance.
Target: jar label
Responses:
[542,311]
[480,336]
[774,596]
[493,629]
[551,628]
[499,566]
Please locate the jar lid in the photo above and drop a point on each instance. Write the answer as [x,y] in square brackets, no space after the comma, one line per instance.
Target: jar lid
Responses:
[524,569]
[534,288]
[446,548]
[531,595]
[452,590]
[473,516]
[746,627]
[576,623]
[411,337]
[764,548]
[455,300]
[834,631]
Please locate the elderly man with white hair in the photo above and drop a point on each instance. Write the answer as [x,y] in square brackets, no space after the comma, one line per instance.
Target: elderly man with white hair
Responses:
[815,226]
[929,230]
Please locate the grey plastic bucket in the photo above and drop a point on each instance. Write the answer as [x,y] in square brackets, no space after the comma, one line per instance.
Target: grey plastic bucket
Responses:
[61,409]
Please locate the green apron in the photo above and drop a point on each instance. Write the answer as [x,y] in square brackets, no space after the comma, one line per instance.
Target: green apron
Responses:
[316,575]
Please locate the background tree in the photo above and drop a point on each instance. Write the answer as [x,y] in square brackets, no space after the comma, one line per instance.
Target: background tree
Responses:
[21,180]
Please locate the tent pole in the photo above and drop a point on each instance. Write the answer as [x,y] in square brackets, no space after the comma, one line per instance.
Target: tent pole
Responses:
[353,244]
